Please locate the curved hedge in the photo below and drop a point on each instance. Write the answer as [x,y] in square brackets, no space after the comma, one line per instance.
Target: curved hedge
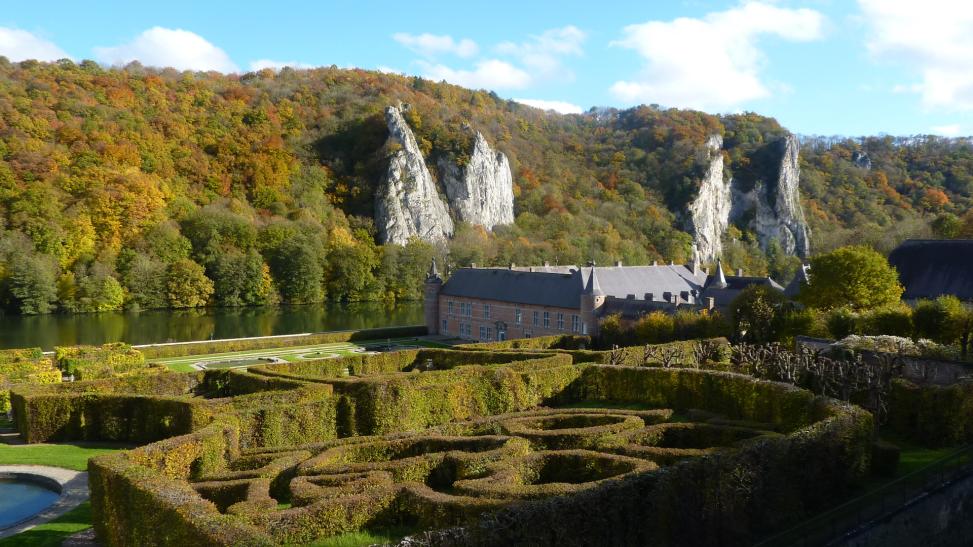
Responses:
[557,476]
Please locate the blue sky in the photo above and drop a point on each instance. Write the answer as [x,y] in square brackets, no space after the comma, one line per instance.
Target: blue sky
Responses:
[826,67]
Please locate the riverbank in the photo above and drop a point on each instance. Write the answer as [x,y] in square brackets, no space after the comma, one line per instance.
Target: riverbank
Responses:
[161,326]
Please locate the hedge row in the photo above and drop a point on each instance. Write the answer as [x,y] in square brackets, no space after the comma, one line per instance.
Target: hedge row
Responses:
[19,367]
[389,362]
[932,415]
[141,497]
[269,411]
[244,344]
[570,496]
[725,498]
[555,341]
[94,362]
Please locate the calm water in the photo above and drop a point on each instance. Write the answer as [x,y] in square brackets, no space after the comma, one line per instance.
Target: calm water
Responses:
[149,327]
[22,499]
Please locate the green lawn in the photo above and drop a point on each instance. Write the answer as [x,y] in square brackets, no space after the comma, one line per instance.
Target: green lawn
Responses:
[292,354]
[69,456]
[54,532]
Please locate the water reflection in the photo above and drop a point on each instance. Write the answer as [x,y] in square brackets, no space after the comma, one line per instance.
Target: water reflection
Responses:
[157,326]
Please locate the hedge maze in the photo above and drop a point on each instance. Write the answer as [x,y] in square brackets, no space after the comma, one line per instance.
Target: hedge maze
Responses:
[478,445]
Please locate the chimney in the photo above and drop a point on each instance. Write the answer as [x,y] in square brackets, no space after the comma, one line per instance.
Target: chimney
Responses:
[630,297]
[618,263]
[739,272]
[710,303]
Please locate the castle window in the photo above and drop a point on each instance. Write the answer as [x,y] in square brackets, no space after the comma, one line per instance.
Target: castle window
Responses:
[445,326]
[489,334]
[518,316]
[560,321]
[449,307]
[547,320]
[486,311]
[483,333]
[575,323]
[537,319]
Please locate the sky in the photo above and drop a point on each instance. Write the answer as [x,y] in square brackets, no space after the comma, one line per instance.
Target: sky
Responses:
[821,67]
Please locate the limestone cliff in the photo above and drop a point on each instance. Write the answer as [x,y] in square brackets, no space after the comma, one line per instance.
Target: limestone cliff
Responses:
[407,204]
[775,204]
[710,211]
[481,192]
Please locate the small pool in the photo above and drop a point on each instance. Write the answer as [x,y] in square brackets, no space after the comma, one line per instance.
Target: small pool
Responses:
[21,499]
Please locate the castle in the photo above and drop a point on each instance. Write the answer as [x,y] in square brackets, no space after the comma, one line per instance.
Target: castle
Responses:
[505,303]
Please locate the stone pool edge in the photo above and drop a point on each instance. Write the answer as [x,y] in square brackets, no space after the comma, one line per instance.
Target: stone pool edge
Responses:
[74,491]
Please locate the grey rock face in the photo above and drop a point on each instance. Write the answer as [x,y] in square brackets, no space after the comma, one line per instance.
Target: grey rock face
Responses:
[776,204]
[481,192]
[407,204]
[861,159]
[710,211]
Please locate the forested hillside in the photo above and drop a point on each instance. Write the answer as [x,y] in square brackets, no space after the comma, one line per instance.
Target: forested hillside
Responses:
[144,188]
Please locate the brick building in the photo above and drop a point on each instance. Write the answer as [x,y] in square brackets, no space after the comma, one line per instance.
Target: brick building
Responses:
[506,303]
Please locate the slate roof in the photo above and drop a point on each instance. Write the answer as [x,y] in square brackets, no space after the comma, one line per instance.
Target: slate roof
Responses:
[734,286]
[563,286]
[932,268]
[621,281]
[561,290]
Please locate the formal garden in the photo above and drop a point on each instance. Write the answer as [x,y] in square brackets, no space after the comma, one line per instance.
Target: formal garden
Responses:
[532,442]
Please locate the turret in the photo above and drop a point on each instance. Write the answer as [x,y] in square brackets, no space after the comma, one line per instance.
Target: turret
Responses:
[433,285]
[592,299]
[720,282]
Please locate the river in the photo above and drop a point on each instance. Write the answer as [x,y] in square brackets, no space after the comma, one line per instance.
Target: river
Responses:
[150,327]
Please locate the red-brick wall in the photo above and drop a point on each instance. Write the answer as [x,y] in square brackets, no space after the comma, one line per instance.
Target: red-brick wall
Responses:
[504,312]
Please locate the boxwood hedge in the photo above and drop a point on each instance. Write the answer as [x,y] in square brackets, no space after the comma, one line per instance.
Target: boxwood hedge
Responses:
[559,476]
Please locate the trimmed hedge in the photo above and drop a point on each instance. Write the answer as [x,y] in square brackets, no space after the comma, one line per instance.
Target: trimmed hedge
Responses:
[199,489]
[140,497]
[94,362]
[555,341]
[24,366]
[223,346]
[932,415]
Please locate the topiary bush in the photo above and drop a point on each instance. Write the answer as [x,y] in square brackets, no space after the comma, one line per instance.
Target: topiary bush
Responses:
[94,362]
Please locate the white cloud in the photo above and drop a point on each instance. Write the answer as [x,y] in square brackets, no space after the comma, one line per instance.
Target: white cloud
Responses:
[18,45]
[163,47]
[934,38]
[488,74]
[513,65]
[431,45]
[951,130]
[261,64]
[557,106]
[543,54]
[712,62]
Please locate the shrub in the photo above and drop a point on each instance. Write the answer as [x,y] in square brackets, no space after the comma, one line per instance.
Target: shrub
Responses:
[94,362]
[885,458]
[842,322]
[19,367]
[893,320]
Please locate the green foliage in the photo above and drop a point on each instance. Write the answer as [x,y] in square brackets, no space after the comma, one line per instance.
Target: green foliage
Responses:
[756,314]
[842,322]
[855,277]
[895,320]
[187,285]
[95,362]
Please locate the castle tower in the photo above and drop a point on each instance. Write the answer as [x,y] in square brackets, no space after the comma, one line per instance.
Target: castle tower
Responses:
[433,285]
[592,299]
